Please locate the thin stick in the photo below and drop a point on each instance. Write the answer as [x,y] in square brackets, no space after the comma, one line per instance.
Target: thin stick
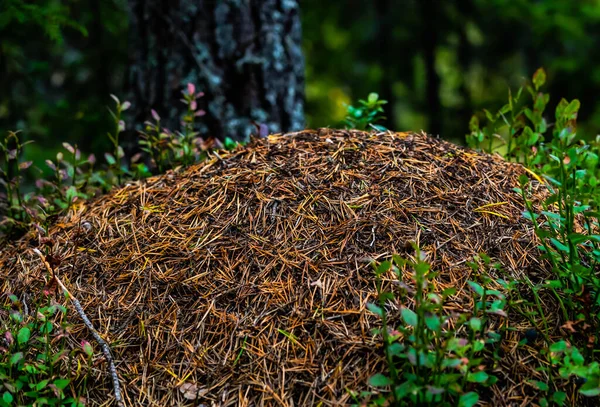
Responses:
[88,323]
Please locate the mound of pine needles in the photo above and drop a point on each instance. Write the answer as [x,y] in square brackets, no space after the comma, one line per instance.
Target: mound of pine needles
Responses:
[244,280]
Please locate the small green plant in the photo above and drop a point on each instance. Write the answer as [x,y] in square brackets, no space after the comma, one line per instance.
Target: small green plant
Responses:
[115,159]
[15,216]
[168,149]
[516,129]
[37,365]
[155,141]
[74,177]
[568,166]
[428,362]
[572,363]
[366,114]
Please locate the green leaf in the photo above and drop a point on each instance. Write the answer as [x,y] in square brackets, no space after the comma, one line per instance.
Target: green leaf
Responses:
[23,335]
[449,292]
[554,284]
[7,397]
[380,380]
[383,267]
[404,389]
[468,399]
[396,349]
[71,193]
[559,397]
[61,383]
[590,389]
[421,268]
[31,369]
[477,377]
[375,309]
[476,288]
[523,179]
[581,208]
[489,115]
[230,144]
[46,327]
[16,358]
[447,362]
[433,322]
[553,215]
[110,159]
[560,346]
[541,385]
[539,78]
[41,384]
[577,357]
[409,317]
[577,238]
[559,245]
[572,108]
[475,324]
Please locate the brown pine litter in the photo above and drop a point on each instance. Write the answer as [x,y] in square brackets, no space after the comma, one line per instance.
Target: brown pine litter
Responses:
[244,280]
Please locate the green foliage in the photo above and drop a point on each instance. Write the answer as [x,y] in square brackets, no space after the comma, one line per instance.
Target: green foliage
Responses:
[36,361]
[479,47]
[569,167]
[75,177]
[567,224]
[53,75]
[72,177]
[428,362]
[168,149]
[12,201]
[366,114]
[51,16]
[114,160]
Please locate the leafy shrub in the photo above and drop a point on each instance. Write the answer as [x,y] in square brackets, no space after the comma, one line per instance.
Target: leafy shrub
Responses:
[168,149]
[566,224]
[50,16]
[366,114]
[567,165]
[75,176]
[429,363]
[37,365]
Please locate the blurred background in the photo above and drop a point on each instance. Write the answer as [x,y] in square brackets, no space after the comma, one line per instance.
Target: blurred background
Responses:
[436,62]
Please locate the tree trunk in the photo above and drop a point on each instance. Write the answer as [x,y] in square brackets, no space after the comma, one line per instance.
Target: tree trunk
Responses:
[244,55]
[465,59]
[385,45]
[429,10]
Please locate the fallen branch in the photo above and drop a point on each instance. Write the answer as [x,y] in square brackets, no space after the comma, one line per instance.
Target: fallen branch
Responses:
[88,323]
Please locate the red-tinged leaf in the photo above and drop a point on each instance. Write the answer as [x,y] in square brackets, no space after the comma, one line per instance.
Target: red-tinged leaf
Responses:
[191,88]
[69,148]
[539,78]
[24,165]
[468,399]
[379,380]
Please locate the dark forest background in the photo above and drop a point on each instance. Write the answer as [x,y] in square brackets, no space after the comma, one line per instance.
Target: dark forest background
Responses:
[436,62]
